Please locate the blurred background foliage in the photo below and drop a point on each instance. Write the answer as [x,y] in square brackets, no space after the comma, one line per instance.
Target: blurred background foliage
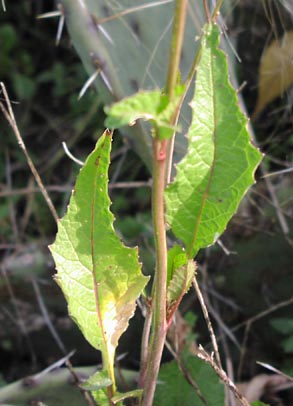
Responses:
[249,273]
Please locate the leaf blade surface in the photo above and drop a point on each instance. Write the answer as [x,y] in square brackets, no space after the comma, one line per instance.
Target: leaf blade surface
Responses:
[98,275]
[175,390]
[220,162]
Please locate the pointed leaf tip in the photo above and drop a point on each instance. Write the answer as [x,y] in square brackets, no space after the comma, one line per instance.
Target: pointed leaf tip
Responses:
[220,162]
[99,276]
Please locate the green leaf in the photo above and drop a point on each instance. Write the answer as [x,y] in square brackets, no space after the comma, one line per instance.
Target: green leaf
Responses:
[136,393]
[24,86]
[173,389]
[220,162]
[99,276]
[287,345]
[97,381]
[181,281]
[101,397]
[179,285]
[8,38]
[283,325]
[176,259]
[190,319]
[143,105]
[150,106]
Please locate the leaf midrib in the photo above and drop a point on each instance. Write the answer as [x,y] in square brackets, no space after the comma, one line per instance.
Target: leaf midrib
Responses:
[190,252]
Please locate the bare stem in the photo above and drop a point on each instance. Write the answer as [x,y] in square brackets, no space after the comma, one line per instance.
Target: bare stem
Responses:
[174,69]
[159,291]
[162,158]
[176,45]
[208,321]
[145,345]
[207,12]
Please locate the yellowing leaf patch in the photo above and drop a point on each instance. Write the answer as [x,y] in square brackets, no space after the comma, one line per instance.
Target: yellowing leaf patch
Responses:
[275,71]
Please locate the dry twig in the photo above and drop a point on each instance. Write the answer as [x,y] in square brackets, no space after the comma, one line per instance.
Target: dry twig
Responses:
[202,354]
[208,321]
[9,115]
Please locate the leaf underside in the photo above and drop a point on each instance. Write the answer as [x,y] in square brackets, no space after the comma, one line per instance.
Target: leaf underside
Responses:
[220,162]
[153,106]
[99,276]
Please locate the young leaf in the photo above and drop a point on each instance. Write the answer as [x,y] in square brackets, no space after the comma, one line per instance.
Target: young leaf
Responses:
[98,380]
[136,393]
[181,281]
[220,162]
[179,285]
[150,106]
[99,276]
[176,258]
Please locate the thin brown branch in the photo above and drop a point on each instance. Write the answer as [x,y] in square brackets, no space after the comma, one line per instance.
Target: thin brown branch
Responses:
[176,344]
[280,215]
[264,313]
[145,343]
[45,314]
[281,218]
[208,321]
[186,373]
[59,342]
[207,11]
[243,350]
[10,202]
[202,354]
[131,10]
[9,115]
[5,192]
[17,308]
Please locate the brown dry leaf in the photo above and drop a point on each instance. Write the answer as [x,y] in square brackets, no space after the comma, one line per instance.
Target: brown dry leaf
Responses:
[178,332]
[263,384]
[275,71]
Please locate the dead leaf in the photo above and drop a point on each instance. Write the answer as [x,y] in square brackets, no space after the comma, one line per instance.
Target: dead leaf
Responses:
[275,71]
[178,333]
[263,384]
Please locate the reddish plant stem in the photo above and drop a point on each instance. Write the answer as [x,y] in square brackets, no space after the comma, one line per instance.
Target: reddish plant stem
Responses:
[174,70]
[145,344]
[159,290]
[162,156]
